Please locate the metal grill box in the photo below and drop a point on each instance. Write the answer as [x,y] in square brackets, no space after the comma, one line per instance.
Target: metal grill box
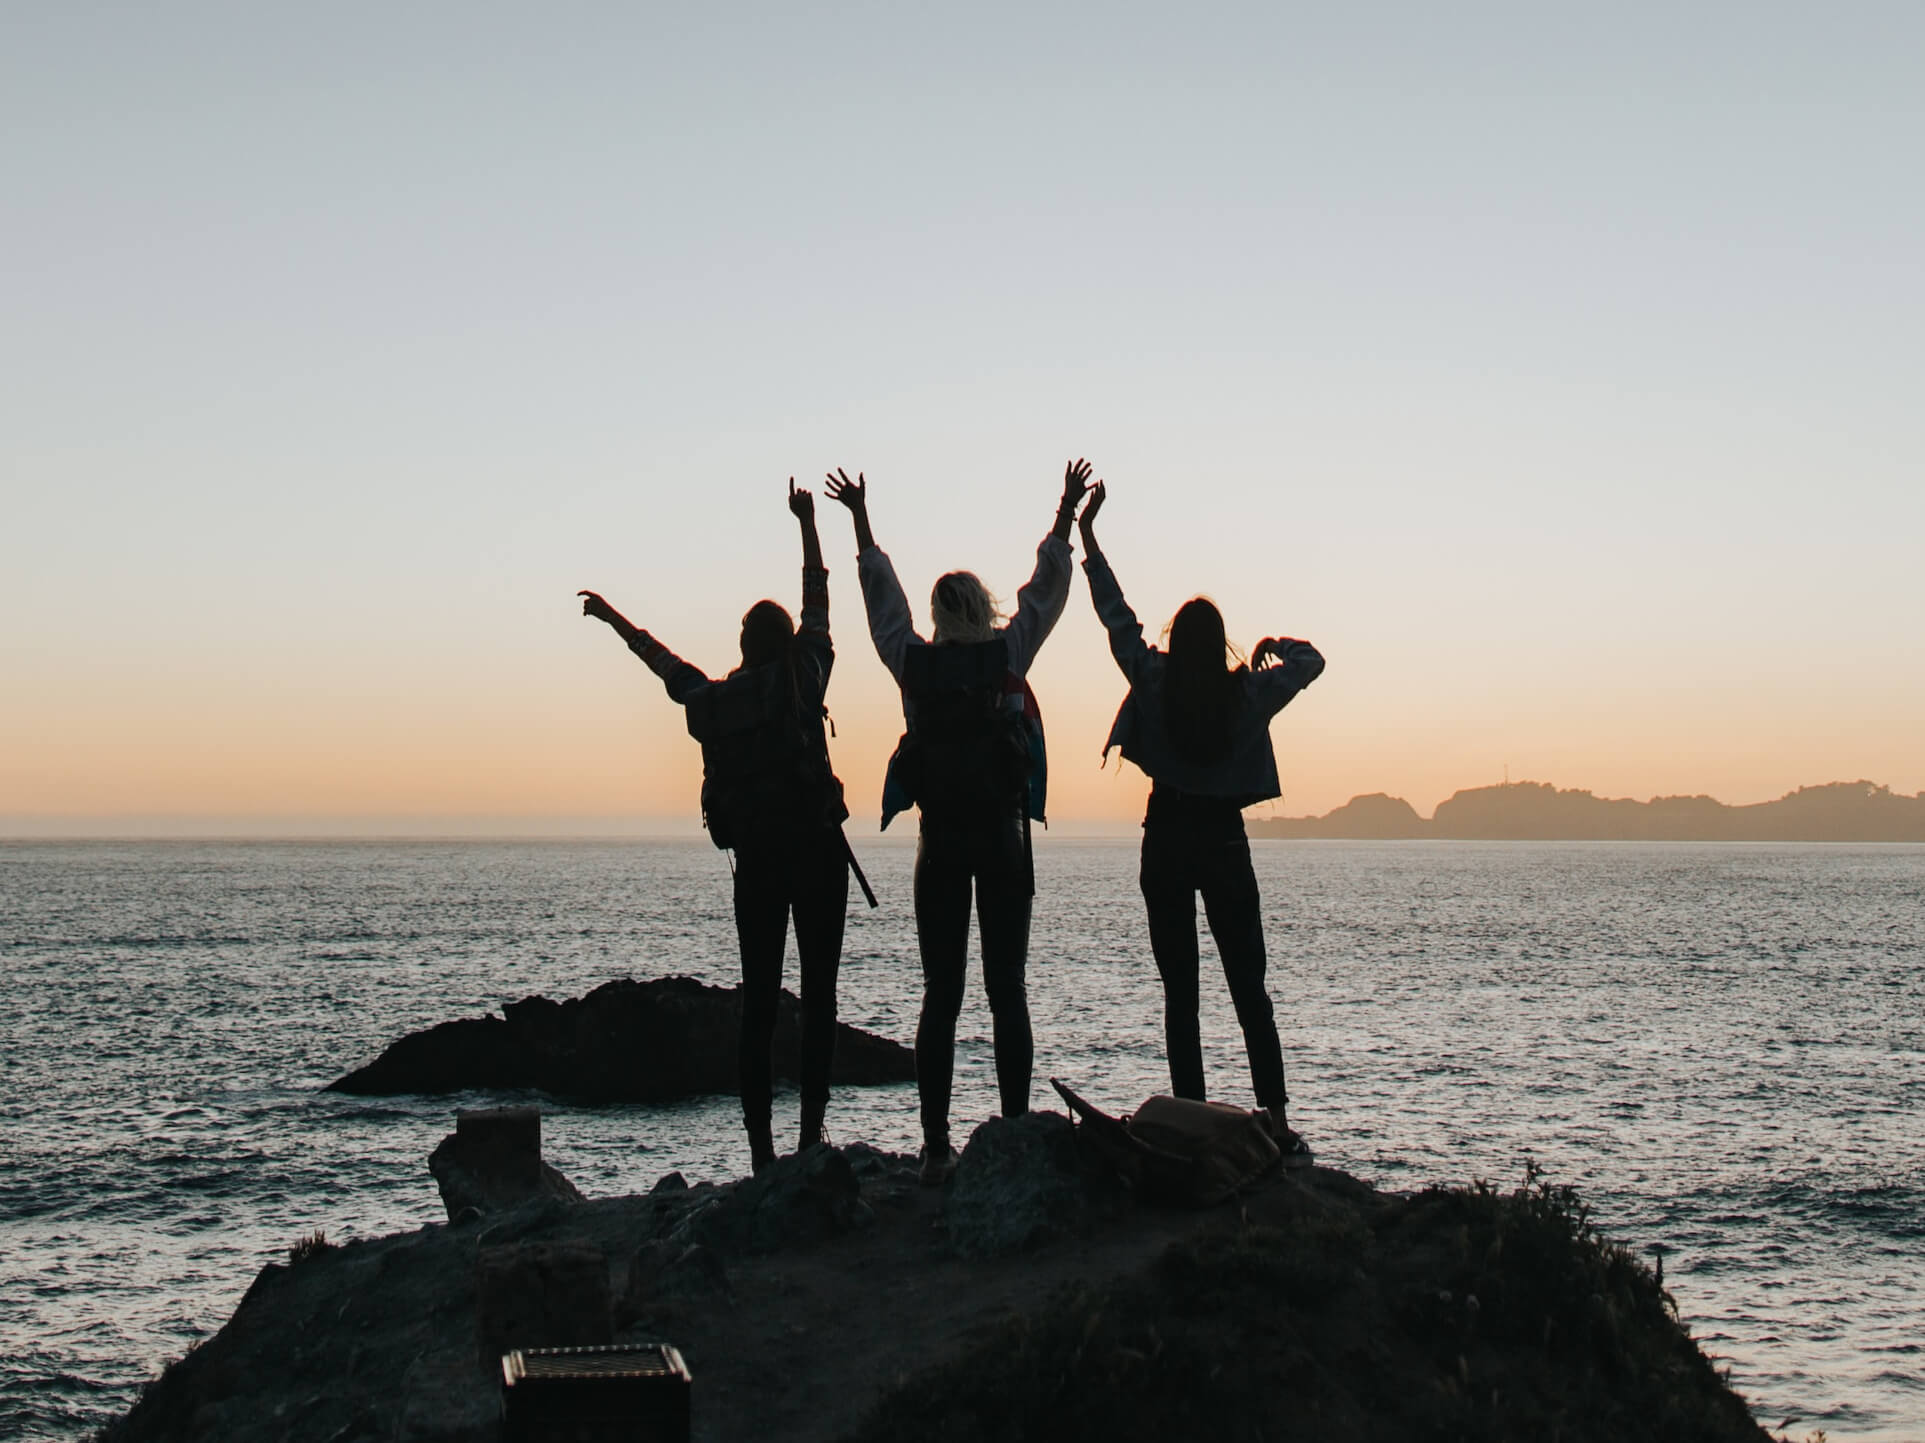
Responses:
[634,1392]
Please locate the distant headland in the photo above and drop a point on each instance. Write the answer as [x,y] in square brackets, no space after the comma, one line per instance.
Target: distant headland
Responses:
[1536,811]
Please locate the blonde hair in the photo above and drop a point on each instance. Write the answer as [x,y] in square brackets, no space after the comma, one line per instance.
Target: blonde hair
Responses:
[962,609]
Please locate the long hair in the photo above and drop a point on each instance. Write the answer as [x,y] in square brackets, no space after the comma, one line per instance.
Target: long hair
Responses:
[962,608]
[767,634]
[1202,683]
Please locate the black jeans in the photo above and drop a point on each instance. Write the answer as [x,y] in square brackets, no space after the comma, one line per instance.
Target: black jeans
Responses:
[1193,845]
[809,876]
[950,855]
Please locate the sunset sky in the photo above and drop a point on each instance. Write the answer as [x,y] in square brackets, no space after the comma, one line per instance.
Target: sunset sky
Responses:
[1558,371]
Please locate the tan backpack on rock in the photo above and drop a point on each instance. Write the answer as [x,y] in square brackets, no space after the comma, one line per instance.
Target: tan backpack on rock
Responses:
[1179,1151]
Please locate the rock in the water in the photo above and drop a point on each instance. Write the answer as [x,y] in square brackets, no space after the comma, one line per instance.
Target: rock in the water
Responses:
[1024,1181]
[492,1162]
[626,1041]
[805,1198]
[541,1295]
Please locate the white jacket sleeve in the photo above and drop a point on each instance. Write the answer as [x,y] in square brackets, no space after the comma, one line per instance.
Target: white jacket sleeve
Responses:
[890,625]
[1039,605]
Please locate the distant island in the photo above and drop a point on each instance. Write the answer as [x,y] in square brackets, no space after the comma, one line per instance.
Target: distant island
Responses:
[1536,811]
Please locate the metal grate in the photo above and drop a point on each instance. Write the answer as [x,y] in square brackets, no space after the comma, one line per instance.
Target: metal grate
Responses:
[620,1360]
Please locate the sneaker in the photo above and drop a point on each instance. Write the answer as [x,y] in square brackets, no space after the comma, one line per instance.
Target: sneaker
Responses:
[937,1164]
[761,1145]
[812,1131]
[1289,1141]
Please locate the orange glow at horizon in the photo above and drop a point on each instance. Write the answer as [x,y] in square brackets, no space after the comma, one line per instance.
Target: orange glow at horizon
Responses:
[618,750]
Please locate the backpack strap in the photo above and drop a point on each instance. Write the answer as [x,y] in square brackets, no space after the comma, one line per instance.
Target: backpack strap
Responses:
[964,666]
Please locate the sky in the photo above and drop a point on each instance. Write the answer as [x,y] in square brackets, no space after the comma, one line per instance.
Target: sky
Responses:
[1555,369]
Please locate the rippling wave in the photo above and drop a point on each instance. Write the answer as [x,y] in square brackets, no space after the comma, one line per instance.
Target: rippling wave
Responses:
[1724,1046]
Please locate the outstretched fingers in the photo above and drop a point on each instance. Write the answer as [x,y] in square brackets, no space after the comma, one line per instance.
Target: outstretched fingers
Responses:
[1075,482]
[853,494]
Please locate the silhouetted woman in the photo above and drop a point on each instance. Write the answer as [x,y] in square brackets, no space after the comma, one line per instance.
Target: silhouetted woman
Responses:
[1199,725]
[768,792]
[972,761]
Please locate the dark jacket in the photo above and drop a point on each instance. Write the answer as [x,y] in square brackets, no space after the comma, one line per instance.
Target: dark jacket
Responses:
[813,658]
[1247,773]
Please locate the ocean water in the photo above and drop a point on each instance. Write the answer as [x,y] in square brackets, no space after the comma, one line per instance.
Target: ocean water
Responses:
[1722,1045]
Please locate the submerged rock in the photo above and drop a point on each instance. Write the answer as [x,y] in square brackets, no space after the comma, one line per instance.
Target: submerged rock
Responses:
[626,1041]
[1024,1181]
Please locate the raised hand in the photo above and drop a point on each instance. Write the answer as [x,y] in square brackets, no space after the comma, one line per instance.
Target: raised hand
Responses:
[1091,507]
[853,494]
[1075,482]
[593,605]
[1271,650]
[801,503]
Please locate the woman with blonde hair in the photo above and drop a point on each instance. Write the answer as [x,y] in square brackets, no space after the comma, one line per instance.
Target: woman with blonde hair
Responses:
[971,760]
[1197,721]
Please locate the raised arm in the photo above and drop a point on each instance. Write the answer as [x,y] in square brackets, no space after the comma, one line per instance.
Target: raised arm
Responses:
[1282,666]
[682,679]
[1075,482]
[1132,653]
[1039,604]
[802,506]
[891,626]
[815,655]
[855,495]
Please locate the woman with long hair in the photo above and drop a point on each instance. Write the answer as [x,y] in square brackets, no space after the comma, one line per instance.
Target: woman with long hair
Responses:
[1197,721]
[769,794]
[971,760]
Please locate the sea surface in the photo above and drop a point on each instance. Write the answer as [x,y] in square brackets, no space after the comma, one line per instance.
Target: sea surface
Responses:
[1722,1045]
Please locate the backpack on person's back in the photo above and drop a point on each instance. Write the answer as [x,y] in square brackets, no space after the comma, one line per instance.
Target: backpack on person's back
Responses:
[765,761]
[967,750]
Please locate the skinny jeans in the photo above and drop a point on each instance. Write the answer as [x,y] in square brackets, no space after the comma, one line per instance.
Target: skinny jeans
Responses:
[951,856]
[807,875]
[1195,845]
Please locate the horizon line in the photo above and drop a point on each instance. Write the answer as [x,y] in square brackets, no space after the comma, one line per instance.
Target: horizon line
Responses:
[510,826]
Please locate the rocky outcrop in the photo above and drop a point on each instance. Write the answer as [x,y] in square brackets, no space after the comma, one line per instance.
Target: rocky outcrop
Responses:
[626,1041]
[808,1197]
[541,1295]
[492,1162]
[1025,1181]
[823,1293]
[1376,816]
[1858,811]
[1457,1313]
